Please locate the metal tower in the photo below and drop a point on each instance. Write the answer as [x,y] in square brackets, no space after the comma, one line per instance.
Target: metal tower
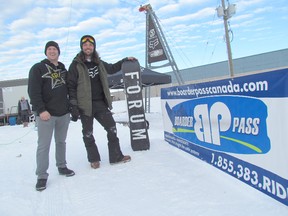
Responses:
[157,48]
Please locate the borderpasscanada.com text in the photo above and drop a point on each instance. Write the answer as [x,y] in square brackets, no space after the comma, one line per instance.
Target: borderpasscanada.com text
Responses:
[224,89]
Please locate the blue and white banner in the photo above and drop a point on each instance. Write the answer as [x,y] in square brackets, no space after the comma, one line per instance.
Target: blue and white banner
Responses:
[238,125]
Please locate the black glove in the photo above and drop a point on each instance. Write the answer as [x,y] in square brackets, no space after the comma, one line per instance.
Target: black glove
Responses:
[75,113]
[129,59]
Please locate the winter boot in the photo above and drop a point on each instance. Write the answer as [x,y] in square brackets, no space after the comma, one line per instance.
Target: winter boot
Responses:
[41,184]
[65,171]
[95,165]
[125,159]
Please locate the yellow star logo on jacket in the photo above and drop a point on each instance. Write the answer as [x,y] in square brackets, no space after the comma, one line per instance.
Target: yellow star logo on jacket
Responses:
[56,77]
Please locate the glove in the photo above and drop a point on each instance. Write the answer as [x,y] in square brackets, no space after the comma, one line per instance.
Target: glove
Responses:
[74,113]
[129,59]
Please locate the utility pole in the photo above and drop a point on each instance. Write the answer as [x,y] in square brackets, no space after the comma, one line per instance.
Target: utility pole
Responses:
[227,13]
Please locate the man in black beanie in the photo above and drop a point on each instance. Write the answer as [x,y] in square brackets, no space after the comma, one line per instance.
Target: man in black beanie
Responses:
[48,95]
[53,44]
[90,97]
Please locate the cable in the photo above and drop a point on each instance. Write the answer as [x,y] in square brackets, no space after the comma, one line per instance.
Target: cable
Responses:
[230,32]
[175,45]
[11,142]
[207,43]
[68,30]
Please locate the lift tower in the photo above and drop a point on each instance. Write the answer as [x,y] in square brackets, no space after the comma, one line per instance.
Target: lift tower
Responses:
[157,48]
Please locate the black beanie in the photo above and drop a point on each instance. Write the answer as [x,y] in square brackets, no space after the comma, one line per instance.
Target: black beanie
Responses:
[52,43]
[86,38]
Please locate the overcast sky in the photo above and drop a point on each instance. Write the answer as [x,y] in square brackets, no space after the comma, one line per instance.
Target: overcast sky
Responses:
[193,30]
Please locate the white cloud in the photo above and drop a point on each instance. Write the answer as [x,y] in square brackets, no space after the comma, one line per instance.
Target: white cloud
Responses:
[169,8]
[263,10]
[108,34]
[201,14]
[241,18]
[100,2]
[242,5]
[41,17]
[192,2]
[119,28]
[91,24]
[114,44]
[17,41]
[84,4]
[14,8]
[157,3]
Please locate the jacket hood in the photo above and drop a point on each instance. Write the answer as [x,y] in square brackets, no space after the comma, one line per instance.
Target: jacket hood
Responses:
[79,58]
[46,61]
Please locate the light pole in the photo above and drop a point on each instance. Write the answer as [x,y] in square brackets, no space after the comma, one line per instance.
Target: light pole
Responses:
[227,13]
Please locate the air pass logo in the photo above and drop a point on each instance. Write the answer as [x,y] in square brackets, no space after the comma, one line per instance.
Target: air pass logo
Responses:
[225,123]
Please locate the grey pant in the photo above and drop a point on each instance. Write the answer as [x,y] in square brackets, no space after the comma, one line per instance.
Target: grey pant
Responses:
[58,124]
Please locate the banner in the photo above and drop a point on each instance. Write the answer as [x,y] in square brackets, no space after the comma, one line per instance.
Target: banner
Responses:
[155,49]
[237,125]
[137,121]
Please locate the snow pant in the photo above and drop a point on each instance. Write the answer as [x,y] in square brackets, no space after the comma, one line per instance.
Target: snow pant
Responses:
[103,115]
[58,124]
[24,116]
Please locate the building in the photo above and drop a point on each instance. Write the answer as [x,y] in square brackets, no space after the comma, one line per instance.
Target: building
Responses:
[251,64]
[11,92]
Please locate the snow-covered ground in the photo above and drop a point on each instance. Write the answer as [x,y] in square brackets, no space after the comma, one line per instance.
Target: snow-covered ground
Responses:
[163,181]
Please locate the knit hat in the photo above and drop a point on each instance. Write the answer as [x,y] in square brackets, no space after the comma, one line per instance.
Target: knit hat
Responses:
[52,43]
[86,38]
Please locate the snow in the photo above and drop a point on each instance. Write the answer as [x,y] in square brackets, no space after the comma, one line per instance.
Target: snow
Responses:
[163,181]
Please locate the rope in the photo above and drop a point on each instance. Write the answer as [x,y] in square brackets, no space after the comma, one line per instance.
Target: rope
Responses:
[68,30]
[13,141]
[175,46]
[209,39]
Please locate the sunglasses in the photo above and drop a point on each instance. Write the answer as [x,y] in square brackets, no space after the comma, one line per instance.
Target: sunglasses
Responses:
[85,39]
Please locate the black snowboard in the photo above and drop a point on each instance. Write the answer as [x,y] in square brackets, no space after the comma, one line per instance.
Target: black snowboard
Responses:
[137,121]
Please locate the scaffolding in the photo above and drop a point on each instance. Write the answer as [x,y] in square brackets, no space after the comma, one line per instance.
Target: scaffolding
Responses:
[157,49]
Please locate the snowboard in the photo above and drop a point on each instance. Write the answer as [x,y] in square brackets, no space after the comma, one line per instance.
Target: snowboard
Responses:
[133,89]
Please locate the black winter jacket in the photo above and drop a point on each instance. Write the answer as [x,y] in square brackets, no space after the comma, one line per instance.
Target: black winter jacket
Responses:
[47,88]
[79,84]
